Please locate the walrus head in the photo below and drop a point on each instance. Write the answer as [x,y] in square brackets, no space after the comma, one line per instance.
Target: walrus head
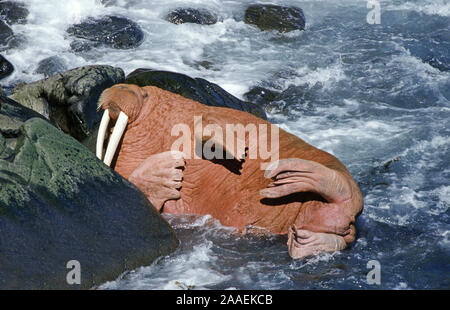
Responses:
[121,102]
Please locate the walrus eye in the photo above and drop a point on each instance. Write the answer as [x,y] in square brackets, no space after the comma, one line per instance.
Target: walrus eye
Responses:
[145,95]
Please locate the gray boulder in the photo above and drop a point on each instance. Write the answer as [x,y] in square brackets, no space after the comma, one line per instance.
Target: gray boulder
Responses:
[59,203]
[69,99]
[50,66]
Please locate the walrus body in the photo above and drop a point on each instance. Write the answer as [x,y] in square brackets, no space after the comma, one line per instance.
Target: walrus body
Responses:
[230,190]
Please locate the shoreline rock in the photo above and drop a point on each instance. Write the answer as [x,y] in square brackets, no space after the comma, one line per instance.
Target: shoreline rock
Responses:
[112,31]
[261,96]
[69,99]
[191,15]
[193,88]
[275,17]
[50,66]
[6,68]
[59,203]
[6,36]
[13,12]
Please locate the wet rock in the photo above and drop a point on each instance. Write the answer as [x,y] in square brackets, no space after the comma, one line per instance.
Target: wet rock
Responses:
[261,96]
[6,35]
[6,68]
[81,46]
[59,203]
[13,12]
[190,15]
[112,31]
[69,99]
[274,17]
[193,88]
[50,66]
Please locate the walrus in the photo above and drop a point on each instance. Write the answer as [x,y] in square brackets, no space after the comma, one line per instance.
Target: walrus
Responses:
[305,193]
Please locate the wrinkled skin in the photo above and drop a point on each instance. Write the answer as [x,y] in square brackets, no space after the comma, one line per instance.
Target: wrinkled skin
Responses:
[307,194]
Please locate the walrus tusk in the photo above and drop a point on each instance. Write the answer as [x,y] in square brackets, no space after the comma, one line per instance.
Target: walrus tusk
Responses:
[101,133]
[121,124]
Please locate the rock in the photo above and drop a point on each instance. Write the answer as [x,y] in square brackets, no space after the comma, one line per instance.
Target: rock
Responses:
[13,115]
[6,36]
[80,46]
[111,31]
[261,96]
[189,15]
[6,68]
[50,66]
[13,12]
[196,89]
[59,203]
[274,17]
[69,99]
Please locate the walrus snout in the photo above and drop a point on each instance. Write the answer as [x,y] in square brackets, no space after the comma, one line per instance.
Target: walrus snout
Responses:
[122,103]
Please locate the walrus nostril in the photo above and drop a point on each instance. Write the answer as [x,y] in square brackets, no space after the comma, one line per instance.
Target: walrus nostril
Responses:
[114,110]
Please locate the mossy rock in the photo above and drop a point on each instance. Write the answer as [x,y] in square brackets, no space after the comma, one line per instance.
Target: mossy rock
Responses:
[59,203]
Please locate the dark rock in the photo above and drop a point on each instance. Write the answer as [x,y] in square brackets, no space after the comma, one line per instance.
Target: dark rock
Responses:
[196,89]
[189,15]
[433,51]
[437,63]
[112,31]
[274,17]
[6,68]
[59,203]
[261,96]
[81,46]
[69,99]
[13,12]
[6,35]
[50,66]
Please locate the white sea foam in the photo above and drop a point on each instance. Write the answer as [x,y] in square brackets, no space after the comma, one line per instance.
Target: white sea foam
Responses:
[430,7]
[188,270]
